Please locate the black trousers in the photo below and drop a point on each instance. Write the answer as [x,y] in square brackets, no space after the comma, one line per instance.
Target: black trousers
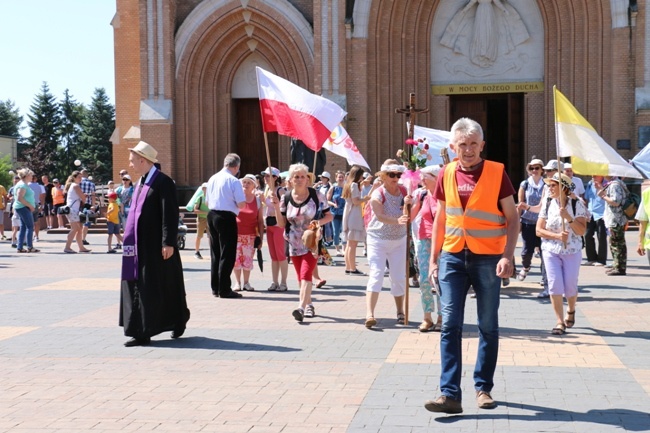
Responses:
[222,226]
[596,228]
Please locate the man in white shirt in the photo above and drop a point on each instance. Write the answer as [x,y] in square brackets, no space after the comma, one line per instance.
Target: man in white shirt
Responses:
[579,190]
[225,197]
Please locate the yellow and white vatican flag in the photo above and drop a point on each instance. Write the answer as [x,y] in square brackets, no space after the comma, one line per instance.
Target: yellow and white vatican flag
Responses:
[589,153]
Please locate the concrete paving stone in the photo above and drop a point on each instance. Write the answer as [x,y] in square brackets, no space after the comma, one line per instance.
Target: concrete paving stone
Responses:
[246,365]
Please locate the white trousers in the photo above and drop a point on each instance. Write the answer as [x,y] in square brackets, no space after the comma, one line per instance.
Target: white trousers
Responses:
[380,251]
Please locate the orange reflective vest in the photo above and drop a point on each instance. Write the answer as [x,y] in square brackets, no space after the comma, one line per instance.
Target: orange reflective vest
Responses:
[482,225]
[57,196]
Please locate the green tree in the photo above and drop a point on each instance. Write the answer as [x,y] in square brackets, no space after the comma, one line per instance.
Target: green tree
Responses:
[40,152]
[97,125]
[10,119]
[72,113]
[6,179]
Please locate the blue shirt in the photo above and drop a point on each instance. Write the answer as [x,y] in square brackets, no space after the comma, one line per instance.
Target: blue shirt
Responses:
[224,192]
[595,203]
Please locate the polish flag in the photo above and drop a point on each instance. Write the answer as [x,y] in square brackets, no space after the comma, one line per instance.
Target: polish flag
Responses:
[291,110]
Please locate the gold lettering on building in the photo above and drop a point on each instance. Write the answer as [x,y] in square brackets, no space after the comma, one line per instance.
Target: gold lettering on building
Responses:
[463,89]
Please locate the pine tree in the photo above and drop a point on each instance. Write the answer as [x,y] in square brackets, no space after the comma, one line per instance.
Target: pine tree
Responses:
[97,125]
[40,151]
[72,114]
[10,119]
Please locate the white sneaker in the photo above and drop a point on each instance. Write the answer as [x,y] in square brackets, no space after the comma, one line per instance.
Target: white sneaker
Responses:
[282,288]
[236,288]
[521,276]
[273,287]
[247,287]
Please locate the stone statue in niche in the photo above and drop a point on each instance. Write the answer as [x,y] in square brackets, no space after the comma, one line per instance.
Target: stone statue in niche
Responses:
[485,29]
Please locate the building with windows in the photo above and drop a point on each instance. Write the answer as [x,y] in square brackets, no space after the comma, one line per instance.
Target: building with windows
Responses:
[185,79]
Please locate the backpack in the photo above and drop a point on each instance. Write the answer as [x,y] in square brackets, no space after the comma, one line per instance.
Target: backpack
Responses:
[631,202]
[367,210]
[313,195]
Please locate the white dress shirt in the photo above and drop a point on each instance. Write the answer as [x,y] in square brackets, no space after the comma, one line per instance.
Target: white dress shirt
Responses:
[224,192]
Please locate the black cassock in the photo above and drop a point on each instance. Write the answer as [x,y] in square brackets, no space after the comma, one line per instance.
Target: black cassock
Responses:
[156,302]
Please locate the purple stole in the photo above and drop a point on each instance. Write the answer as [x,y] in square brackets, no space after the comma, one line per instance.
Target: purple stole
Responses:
[130,241]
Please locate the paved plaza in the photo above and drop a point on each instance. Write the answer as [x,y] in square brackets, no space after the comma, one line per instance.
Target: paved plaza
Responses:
[245,365]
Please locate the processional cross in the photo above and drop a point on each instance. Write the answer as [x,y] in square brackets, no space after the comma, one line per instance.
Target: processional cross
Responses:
[411,113]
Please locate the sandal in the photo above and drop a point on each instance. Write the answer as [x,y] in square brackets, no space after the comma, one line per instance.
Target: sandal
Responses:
[321,283]
[33,250]
[21,250]
[570,319]
[438,326]
[559,329]
[400,318]
[426,326]
[370,322]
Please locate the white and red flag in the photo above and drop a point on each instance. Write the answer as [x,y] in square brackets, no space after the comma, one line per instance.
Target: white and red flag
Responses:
[340,143]
[290,110]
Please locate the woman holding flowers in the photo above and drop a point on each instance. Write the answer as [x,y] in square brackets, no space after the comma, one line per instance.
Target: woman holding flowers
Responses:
[387,240]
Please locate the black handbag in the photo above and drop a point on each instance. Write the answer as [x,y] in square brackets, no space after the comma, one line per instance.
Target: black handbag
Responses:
[63,210]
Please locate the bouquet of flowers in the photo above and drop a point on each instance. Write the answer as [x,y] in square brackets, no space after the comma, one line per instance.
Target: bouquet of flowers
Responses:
[414,157]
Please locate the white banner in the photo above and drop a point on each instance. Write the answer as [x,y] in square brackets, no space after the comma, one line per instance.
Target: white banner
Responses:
[341,144]
[435,139]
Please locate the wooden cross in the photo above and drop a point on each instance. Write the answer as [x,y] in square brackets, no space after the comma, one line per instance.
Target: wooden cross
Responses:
[411,113]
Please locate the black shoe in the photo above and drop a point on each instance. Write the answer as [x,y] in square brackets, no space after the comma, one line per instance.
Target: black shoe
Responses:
[85,242]
[138,342]
[177,333]
[298,314]
[215,294]
[231,295]
[355,272]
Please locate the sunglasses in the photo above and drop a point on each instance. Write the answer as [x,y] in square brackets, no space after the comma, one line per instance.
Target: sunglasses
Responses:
[394,175]
[535,168]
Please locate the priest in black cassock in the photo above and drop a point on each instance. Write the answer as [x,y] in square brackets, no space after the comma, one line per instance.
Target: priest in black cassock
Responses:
[153,290]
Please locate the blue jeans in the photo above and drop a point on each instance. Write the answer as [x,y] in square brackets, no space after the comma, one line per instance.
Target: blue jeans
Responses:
[456,273]
[26,232]
[337,222]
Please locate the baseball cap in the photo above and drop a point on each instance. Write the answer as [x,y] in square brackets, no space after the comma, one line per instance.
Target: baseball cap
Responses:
[126,176]
[366,175]
[112,195]
[274,171]
[55,181]
[326,174]
[567,165]
[552,165]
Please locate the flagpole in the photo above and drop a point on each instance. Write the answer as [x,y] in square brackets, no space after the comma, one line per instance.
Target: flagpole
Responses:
[268,153]
[557,153]
[315,161]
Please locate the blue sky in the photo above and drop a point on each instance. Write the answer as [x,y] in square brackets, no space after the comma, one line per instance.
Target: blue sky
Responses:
[67,43]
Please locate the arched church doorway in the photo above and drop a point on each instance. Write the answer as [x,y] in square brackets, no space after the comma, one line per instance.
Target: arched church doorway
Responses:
[249,137]
[502,117]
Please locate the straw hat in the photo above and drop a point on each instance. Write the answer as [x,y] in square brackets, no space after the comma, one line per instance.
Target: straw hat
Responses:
[566,181]
[146,151]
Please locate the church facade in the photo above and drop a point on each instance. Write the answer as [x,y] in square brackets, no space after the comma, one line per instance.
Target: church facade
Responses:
[185,74]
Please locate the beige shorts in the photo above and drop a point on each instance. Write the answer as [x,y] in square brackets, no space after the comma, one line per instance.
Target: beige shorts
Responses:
[202,227]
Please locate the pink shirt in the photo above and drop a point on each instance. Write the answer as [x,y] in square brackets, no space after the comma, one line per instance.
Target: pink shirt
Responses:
[427,214]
